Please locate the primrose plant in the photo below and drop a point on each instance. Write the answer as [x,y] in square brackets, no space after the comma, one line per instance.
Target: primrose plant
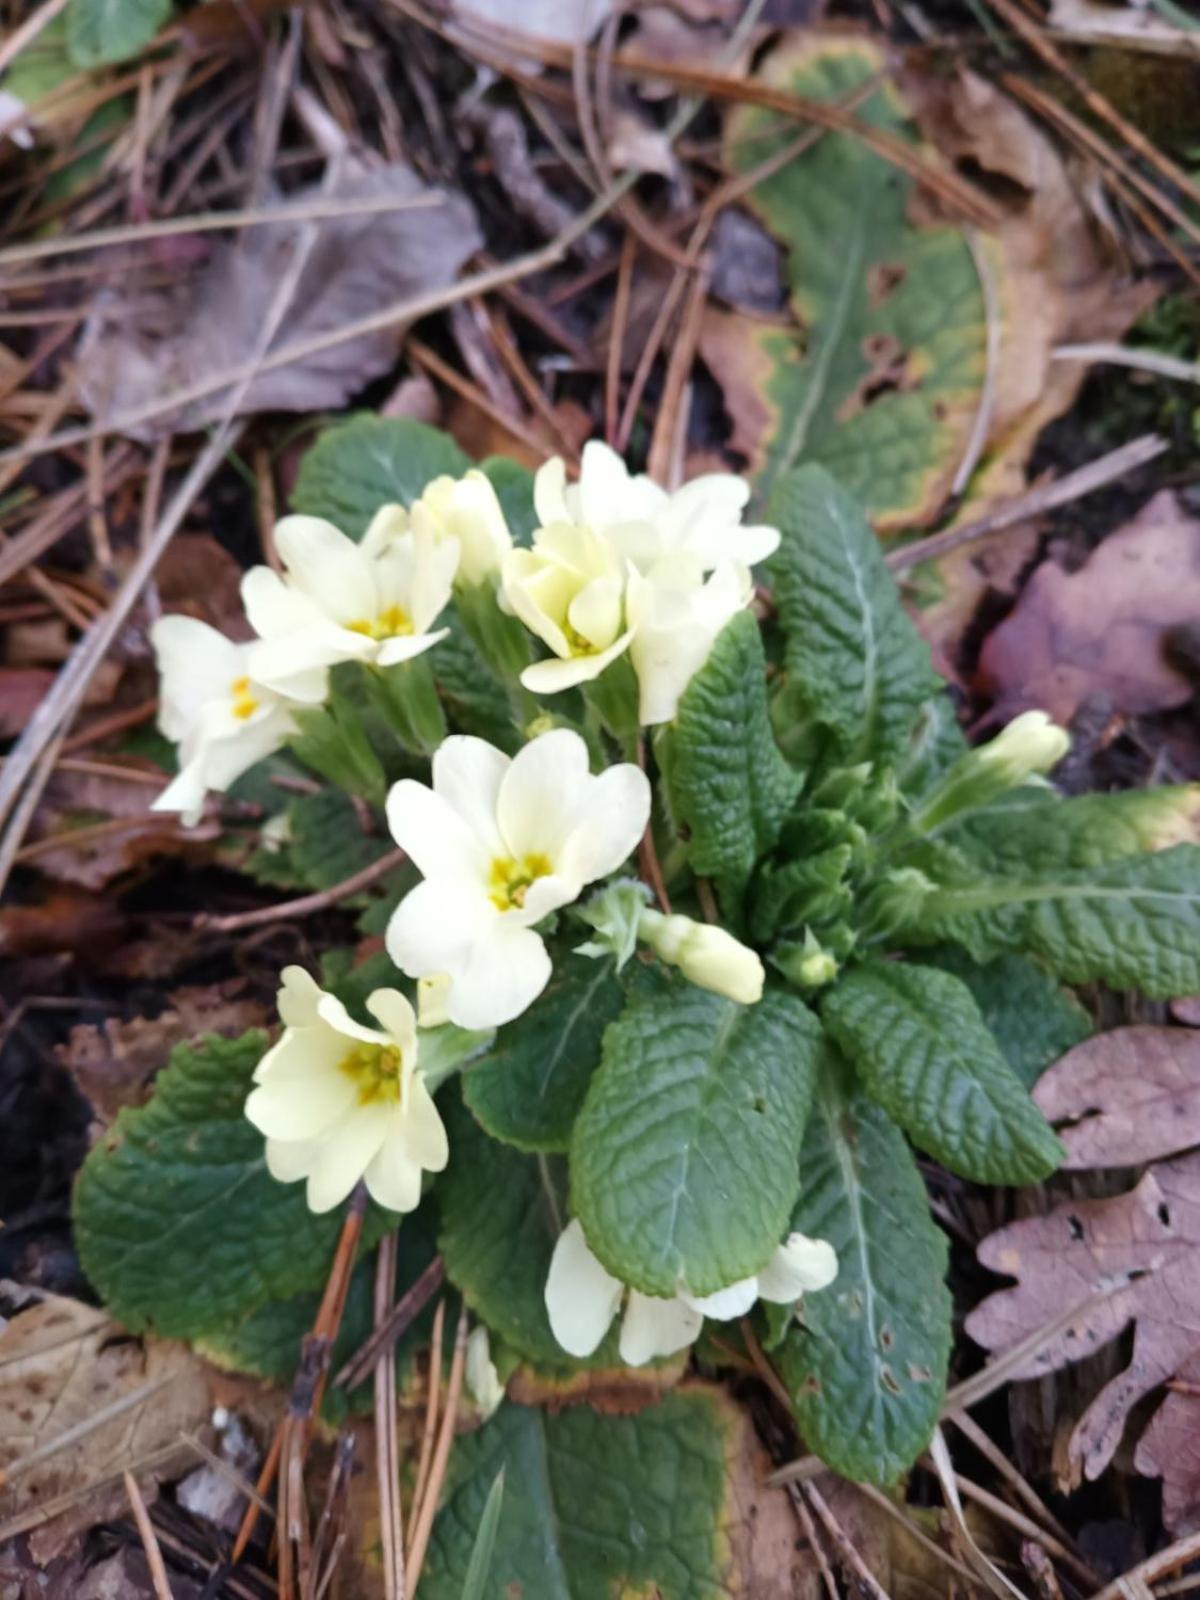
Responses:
[709,919]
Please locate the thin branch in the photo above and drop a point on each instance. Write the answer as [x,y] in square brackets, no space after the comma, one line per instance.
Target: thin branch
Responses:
[307,904]
[398,1320]
[425,1512]
[145,1528]
[1120,355]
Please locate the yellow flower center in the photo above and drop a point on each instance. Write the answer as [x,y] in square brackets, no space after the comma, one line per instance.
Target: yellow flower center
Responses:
[375,1071]
[391,621]
[509,879]
[577,644]
[244,703]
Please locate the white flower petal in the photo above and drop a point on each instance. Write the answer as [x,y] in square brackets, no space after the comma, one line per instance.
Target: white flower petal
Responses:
[581,1297]
[483,1381]
[344,1156]
[424,1131]
[195,664]
[274,608]
[334,1015]
[396,1017]
[467,774]
[436,836]
[326,565]
[393,1178]
[608,825]
[296,664]
[609,493]
[543,792]
[299,1100]
[800,1266]
[725,1304]
[291,1159]
[405,647]
[595,612]
[549,483]
[502,977]
[185,794]
[435,927]
[653,1328]
[297,997]
[550,677]
[390,522]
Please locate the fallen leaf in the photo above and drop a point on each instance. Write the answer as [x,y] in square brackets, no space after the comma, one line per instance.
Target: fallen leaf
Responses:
[1103,628]
[64,921]
[1170,1449]
[21,692]
[199,576]
[126,1576]
[140,344]
[114,1063]
[1125,1097]
[66,1368]
[1141,25]
[1141,1252]
[556,21]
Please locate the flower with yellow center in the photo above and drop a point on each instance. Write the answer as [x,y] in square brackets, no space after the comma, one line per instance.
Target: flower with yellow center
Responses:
[466,510]
[339,1102]
[501,843]
[582,1298]
[223,719]
[569,590]
[375,601]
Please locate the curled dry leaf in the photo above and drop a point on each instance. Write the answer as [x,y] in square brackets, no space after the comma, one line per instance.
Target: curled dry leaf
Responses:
[140,345]
[68,1371]
[114,1064]
[1125,1097]
[1136,1258]
[1106,627]
[1170,1449]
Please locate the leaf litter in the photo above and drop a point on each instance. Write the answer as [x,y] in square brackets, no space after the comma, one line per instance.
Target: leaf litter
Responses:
[1057,276]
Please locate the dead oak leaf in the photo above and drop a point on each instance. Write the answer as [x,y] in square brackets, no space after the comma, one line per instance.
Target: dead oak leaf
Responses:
[80,1401]
[1170,1449]
[1134,1258]
[1104,628]
[1125,1097]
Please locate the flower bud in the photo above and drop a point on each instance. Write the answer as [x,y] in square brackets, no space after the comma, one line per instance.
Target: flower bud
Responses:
[808,965]
[706,955]
[1027,748]
[466,509]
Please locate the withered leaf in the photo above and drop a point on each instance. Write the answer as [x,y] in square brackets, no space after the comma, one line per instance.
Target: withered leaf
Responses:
[67,1370]
[1140,1251]
[1105,627]
[1125,1097]
[1170,1449]
[142,344]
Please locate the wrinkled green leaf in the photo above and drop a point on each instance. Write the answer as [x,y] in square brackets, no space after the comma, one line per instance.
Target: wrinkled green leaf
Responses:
[919,1045]
[528,1088]
[366,462]
[683,1158]
[866,1366]
[475,702]
[178,1223]
[730,785]
[1035,828]
[595,1507]
[883,386]
[854,661]
[102,31]
[1032,1018]
[325,844]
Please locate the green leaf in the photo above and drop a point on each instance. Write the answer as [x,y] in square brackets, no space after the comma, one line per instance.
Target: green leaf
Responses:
[1133,923]
[325,844]
[502,1213]
[475,701]
[882,383]
[178,1223]
[102,31]
[866,1368]
[479,1568]
[1031,1017]
[333,742]
[730,785]
[935,743]
[267,1342]
[1034,828]
[922,1050]
[596,1506]
[528,1088]
[683,1158]
[854,660]
[367,462]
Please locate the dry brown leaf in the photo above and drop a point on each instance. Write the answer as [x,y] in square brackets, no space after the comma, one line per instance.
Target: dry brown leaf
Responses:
[1125,1097]
[1102,629]
[140,345]
[1170,1449]
[199,576]
[68,1371]
[114,1064]
[1149,1236]
[64,921]
[1137,23]
[619,1392]
[21,692]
